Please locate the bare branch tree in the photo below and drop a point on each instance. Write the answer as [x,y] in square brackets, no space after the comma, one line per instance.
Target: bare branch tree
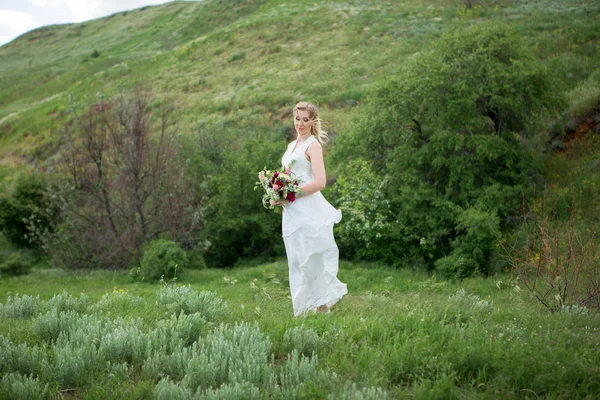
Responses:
[558,262]
[131,184]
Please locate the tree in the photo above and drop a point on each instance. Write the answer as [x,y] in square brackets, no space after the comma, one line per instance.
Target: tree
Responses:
[449,132]
[130,185]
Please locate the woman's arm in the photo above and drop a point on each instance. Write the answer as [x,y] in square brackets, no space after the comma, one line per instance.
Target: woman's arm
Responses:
[315,156]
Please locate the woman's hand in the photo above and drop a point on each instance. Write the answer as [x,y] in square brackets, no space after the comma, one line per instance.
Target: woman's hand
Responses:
[281,203]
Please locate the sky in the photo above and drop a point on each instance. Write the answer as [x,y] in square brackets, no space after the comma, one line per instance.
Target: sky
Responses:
[20,16]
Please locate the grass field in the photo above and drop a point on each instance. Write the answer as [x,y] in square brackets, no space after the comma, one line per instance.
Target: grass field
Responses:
[230,333]
[397,334]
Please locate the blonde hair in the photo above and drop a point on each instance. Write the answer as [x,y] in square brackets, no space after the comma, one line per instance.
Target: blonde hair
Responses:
[316,128]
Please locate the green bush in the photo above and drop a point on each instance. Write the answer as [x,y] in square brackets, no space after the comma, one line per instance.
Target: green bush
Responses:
[185,327]
[167,390]
[454,132]
[352,392]
[177,299]
[49,326]
[20,307]
[16,386]
[15,264]
[471,251]
[20,358]
[27,198]
[195,257]
[304,340]
[236,224]
[66,302]
[163,258]
[366,228]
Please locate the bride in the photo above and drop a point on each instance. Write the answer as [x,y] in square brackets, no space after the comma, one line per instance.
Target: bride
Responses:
[308,222]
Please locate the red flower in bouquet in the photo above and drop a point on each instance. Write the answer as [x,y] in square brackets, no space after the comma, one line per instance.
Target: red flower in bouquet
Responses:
[278,185]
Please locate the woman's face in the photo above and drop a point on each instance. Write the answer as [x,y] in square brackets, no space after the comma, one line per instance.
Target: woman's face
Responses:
[302,122]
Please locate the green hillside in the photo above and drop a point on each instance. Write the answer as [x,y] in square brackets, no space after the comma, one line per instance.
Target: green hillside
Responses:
[249,61]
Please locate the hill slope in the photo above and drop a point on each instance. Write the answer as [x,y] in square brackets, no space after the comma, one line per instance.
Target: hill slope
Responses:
[248,62]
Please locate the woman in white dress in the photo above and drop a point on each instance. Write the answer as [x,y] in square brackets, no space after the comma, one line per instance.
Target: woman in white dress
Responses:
[308,221]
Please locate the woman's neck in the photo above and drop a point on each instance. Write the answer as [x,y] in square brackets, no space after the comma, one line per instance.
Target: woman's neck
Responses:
[302,138]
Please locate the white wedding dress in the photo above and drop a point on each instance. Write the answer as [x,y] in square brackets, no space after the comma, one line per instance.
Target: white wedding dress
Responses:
[308,236]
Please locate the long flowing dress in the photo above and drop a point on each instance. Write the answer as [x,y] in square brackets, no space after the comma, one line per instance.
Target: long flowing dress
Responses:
[307,229]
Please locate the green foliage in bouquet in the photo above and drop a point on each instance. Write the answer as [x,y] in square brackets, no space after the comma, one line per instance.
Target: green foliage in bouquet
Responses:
[451,134]
[163,258]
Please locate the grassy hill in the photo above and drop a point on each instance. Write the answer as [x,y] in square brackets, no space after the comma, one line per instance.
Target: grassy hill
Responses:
[248,62]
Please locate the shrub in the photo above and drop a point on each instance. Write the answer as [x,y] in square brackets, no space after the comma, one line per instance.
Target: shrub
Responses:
[465,301]
[71,365]
[451,133]
[186,327]
[195,258]
[123,343]
[177,299]
[237,226]
[362,198]
[159,364]
[65,302]
[304,340]
[471,250]
[296,371]
[49,326]
[353,393]
[28,197]
[238,354]
[585,98]
[167,390]
[558,261]
[162,258]
[20,357]
[118,370]
[20,307]
[15,265]
[16,386]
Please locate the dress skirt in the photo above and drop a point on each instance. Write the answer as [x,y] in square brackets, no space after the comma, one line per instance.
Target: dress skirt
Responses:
[312,253]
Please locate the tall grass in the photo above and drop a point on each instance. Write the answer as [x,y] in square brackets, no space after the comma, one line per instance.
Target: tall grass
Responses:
[397,334]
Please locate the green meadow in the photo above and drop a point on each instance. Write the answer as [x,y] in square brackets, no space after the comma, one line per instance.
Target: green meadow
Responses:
[234,69]
[397,334]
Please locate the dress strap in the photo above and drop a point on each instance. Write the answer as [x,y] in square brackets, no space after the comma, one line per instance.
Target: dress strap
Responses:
[307,143]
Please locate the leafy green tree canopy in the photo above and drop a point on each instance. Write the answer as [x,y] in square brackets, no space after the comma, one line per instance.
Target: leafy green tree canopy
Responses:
[448,132]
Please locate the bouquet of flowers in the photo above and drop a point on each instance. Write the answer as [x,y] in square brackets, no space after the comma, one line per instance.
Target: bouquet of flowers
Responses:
[279,185]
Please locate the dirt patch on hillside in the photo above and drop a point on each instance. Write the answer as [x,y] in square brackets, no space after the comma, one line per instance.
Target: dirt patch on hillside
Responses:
[578,132]
[10,159]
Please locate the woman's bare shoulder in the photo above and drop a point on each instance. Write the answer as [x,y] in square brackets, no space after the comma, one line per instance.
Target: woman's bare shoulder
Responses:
[315,145]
